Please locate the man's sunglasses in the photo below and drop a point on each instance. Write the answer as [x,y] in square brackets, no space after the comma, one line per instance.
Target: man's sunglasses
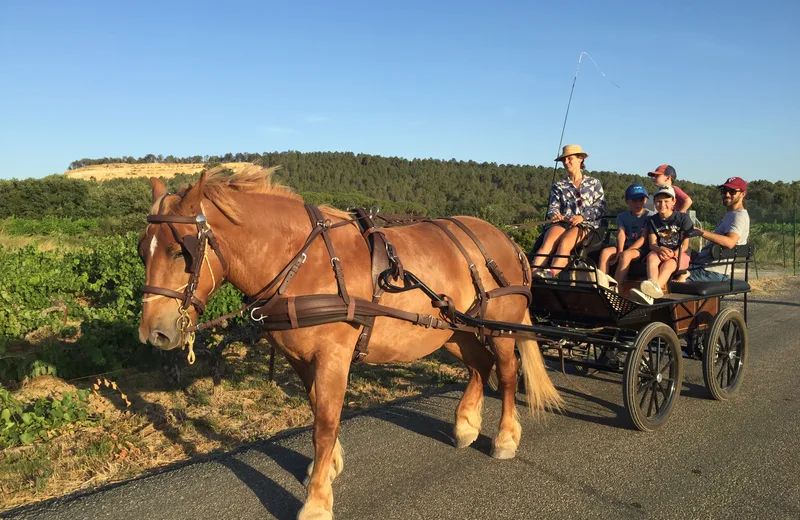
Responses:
[729,191]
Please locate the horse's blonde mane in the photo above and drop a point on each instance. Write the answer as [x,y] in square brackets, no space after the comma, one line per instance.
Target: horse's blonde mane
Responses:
[220,186]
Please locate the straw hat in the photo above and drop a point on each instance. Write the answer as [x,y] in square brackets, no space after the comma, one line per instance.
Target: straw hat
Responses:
[572,149]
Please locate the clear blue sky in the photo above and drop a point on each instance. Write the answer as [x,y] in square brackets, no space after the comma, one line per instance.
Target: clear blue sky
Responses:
[709,87]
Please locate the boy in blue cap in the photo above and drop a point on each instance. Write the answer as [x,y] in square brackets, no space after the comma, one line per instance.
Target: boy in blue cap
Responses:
[630,234]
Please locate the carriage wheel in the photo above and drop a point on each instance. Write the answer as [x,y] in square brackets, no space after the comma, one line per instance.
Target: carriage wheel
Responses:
[494,382]
[653,375]
[724,354]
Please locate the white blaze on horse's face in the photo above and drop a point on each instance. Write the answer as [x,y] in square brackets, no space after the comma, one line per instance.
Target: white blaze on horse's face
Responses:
[153,246]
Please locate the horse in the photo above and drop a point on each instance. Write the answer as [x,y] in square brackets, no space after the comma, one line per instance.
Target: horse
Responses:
[256,228]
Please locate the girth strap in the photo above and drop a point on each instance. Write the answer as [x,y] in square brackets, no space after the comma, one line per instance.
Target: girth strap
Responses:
[502,281]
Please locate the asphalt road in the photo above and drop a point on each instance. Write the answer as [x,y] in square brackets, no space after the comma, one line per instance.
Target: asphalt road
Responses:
[737,459]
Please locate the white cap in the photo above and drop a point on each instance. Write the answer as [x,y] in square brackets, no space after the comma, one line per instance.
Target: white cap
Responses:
[664,190]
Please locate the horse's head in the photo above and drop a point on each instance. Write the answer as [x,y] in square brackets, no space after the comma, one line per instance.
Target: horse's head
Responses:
[180,271]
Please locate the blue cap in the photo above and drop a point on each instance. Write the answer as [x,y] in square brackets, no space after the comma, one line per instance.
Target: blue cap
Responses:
[635,191]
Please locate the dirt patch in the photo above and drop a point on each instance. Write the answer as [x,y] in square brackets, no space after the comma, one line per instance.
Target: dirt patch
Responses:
[775,284]
[104,172]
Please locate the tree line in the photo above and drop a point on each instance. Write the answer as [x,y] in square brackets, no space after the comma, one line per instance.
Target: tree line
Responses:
[499,193]
[169,159]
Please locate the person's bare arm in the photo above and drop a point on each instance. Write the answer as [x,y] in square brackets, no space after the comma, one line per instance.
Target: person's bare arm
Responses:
[728,240]
[687,202]
[621,240]
[638,243]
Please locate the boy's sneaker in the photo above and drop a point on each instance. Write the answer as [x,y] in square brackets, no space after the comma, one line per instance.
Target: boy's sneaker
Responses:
[546,274]
[651,289]
[639,296]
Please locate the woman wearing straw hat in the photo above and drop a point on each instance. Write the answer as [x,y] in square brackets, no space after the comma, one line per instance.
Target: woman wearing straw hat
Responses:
[577,203]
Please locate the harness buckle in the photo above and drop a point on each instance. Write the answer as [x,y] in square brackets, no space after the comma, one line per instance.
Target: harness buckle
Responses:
[252,317]
[333,261]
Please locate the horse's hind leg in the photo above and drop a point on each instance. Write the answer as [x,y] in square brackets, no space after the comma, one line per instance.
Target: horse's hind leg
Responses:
[505,444]
[307,376]
[330,382]
[479,362]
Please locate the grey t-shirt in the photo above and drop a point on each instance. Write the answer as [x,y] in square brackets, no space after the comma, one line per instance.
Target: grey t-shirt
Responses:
[633,225]
[734,221]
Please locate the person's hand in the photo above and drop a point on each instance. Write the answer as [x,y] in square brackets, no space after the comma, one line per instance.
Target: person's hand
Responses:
[664,253]
[577,219]
[558,217]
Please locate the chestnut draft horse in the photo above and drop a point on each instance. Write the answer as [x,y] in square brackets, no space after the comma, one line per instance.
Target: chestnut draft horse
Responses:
[258,228]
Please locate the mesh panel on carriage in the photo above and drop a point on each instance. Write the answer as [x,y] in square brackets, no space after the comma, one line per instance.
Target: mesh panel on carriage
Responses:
[580,303]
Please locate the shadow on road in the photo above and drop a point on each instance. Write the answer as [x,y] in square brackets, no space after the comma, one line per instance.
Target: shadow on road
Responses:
[275,499]
[695,391]
[584,407]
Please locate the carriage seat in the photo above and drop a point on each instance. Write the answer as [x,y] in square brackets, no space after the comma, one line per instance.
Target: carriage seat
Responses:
[741,254]
[709,288]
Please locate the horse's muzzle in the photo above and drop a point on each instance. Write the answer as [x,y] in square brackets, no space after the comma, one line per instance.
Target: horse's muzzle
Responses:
[159,338]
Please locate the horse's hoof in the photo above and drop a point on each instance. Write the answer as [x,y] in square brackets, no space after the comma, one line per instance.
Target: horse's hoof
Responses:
[503,453]
[314,513]
[465,434]
[466,438]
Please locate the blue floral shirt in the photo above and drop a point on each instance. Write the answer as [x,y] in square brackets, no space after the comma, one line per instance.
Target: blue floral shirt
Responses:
[588,201]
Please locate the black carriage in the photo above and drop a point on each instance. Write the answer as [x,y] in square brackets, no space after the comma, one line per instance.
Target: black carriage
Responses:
[594,328]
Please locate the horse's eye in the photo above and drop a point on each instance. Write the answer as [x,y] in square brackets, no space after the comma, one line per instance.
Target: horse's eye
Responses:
[174,252]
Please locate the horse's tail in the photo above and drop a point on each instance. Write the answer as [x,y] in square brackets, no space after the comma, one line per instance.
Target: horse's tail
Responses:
[541,393]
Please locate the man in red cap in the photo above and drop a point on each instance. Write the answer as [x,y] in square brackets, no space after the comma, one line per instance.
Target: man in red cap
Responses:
[732,231]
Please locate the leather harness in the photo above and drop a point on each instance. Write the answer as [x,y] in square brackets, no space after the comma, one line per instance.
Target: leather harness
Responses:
[273,312]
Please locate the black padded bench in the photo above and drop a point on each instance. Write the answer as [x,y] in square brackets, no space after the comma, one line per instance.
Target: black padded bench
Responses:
[709,288]
[742,254]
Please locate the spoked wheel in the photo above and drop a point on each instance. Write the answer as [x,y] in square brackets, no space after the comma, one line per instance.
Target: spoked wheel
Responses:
[494,382]
[724,354]
[653,375]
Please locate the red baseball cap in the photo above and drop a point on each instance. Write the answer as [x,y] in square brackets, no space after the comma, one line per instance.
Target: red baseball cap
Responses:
[735,183]
[666,169]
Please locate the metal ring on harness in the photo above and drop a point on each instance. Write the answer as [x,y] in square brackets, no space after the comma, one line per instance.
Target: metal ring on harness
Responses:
[252,317]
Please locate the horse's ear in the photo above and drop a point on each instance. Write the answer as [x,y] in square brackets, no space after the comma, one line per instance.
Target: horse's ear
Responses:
[194,196]
[159,189]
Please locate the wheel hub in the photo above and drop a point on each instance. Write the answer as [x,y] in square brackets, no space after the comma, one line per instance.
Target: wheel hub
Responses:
[659,378]
[732,355]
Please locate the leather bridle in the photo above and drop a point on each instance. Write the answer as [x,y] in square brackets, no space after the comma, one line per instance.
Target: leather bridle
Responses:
[194,248]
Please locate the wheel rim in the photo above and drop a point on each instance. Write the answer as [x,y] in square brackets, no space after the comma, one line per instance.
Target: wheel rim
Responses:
[729,346]
[656,378]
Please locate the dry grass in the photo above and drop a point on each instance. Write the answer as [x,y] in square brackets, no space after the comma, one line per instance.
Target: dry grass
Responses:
[775,284]
[42,243]
[104,172]
[165,425]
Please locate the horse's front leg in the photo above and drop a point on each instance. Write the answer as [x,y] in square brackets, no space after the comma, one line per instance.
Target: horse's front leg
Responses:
[330,382]
[306,375]
[505,444]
